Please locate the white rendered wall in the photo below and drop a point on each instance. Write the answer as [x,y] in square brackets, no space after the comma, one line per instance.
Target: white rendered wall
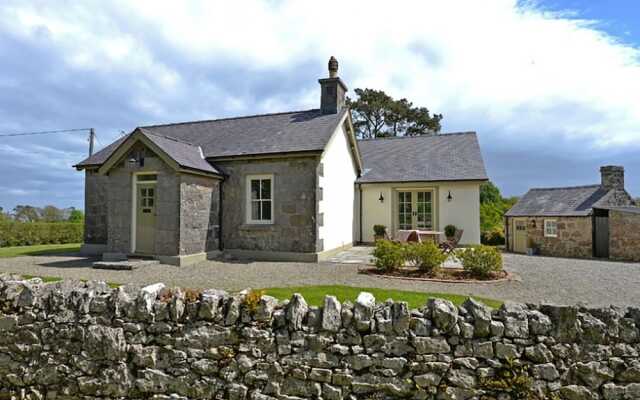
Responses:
[463,210]
[337,183]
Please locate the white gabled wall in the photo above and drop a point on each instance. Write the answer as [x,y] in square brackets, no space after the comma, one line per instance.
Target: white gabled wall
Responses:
[337,183]
[462,211]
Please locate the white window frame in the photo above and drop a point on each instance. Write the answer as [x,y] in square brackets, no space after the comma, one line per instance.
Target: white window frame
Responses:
[249,201]
[547,224]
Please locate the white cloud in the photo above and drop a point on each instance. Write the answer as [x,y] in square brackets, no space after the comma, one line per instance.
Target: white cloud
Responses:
[539,74]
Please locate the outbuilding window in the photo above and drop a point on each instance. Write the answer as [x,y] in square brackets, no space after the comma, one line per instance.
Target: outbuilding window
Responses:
[260,199]
[550,228]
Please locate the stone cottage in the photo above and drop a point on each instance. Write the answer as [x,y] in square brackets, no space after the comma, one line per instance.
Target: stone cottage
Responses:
[582,221]
[286,186]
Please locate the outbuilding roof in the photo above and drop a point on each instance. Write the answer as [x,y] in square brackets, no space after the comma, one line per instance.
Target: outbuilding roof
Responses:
[557,202]
[296,131]
[426,158]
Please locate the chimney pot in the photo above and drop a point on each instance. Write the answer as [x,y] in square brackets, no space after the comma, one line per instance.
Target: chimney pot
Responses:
[612,177]
[333,67]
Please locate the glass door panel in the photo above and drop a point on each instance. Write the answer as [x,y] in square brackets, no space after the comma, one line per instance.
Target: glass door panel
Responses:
[405,210]
[423,215]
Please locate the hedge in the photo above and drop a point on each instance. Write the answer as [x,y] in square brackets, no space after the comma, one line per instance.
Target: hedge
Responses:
[30,233]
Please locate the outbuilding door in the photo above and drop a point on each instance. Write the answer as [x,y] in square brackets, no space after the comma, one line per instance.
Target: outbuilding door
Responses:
[145,218]
[601,233]
[520,235]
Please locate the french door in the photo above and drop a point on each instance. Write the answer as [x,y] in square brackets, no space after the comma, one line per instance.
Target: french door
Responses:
[415,210]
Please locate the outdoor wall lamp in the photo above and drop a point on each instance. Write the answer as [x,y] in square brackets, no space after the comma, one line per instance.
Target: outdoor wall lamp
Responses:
[533,223]
[449,197]
[381,198]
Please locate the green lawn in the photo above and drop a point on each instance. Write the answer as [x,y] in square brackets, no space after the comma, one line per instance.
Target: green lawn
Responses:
[314,295]
[39,250]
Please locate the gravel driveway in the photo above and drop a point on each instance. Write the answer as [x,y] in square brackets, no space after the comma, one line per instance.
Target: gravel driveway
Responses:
[539,279]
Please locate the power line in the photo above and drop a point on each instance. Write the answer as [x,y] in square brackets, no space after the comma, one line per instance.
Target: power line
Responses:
[45,132]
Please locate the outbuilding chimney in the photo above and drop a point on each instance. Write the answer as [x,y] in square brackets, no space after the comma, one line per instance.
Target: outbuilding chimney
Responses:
[612,177]
[333,90]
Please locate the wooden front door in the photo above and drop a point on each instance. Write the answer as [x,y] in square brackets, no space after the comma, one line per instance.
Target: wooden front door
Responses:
[146,218]
[520,235]
[415,210]
[601,233]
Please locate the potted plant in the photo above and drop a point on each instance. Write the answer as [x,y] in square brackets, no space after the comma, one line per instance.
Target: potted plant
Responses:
[532,247]
[379,232]
[450,231]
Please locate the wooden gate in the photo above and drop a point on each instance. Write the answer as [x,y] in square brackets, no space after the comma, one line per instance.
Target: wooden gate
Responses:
[601,233]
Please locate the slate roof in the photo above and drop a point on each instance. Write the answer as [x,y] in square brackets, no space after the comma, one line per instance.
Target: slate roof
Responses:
[558,202]
[296,131]
[185,154]
[442,157]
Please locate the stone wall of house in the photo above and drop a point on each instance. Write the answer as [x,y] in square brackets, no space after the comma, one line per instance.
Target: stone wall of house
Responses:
[84,340]
[294,227]
[624,235]
[95,208]
[119,197]
[574,236]
[199,207]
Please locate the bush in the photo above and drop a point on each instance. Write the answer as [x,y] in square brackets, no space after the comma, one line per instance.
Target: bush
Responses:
[480,261]
[13,233]
[379,230]
[450,230]
[389,255]
[427,256]
[493,237]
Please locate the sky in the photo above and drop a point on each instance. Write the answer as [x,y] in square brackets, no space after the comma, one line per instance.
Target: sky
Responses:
[551,87]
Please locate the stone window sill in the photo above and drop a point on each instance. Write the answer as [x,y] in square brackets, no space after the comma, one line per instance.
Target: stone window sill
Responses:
[257,227]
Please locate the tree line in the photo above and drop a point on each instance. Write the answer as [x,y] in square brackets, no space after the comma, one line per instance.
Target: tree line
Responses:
[27,213]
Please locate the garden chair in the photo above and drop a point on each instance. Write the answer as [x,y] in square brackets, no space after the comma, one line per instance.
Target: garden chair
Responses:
[449,245]
[405,236]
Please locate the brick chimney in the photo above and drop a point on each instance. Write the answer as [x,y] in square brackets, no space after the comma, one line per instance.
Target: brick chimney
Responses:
[612,177]
[333,90]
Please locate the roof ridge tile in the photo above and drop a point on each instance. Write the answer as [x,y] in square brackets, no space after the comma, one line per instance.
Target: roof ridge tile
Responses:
[228,118]
[419,136]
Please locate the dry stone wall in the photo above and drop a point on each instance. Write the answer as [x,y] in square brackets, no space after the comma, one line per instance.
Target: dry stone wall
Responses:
[73,340]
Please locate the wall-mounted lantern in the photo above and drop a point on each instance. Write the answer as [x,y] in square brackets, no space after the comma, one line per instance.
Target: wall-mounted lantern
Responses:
[381,198]
[449,197]
[533,223]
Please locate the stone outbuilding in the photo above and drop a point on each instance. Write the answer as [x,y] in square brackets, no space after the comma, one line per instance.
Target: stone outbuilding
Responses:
[598,221]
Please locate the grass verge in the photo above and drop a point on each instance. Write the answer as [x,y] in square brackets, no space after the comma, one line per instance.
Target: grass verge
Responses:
[314,295]
[39,250]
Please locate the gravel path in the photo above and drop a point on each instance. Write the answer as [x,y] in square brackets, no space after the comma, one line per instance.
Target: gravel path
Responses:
[540,279]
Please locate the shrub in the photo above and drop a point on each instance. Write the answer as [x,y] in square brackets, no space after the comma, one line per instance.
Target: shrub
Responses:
[388,255]
[450,230]
[427,256]
[13,233]
[480,261]
[379,230]
[494,237]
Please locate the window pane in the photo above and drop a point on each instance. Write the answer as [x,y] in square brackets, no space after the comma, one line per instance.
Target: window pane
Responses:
[427,196]
[150,202]
[143,192]
[255,189]
[266,210]
[266,189]
[255,210]
[150,192]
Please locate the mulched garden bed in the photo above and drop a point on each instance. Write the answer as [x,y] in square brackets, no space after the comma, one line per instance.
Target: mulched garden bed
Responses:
[449,275]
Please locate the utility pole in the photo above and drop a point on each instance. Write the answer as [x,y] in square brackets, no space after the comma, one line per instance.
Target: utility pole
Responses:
[92,139]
